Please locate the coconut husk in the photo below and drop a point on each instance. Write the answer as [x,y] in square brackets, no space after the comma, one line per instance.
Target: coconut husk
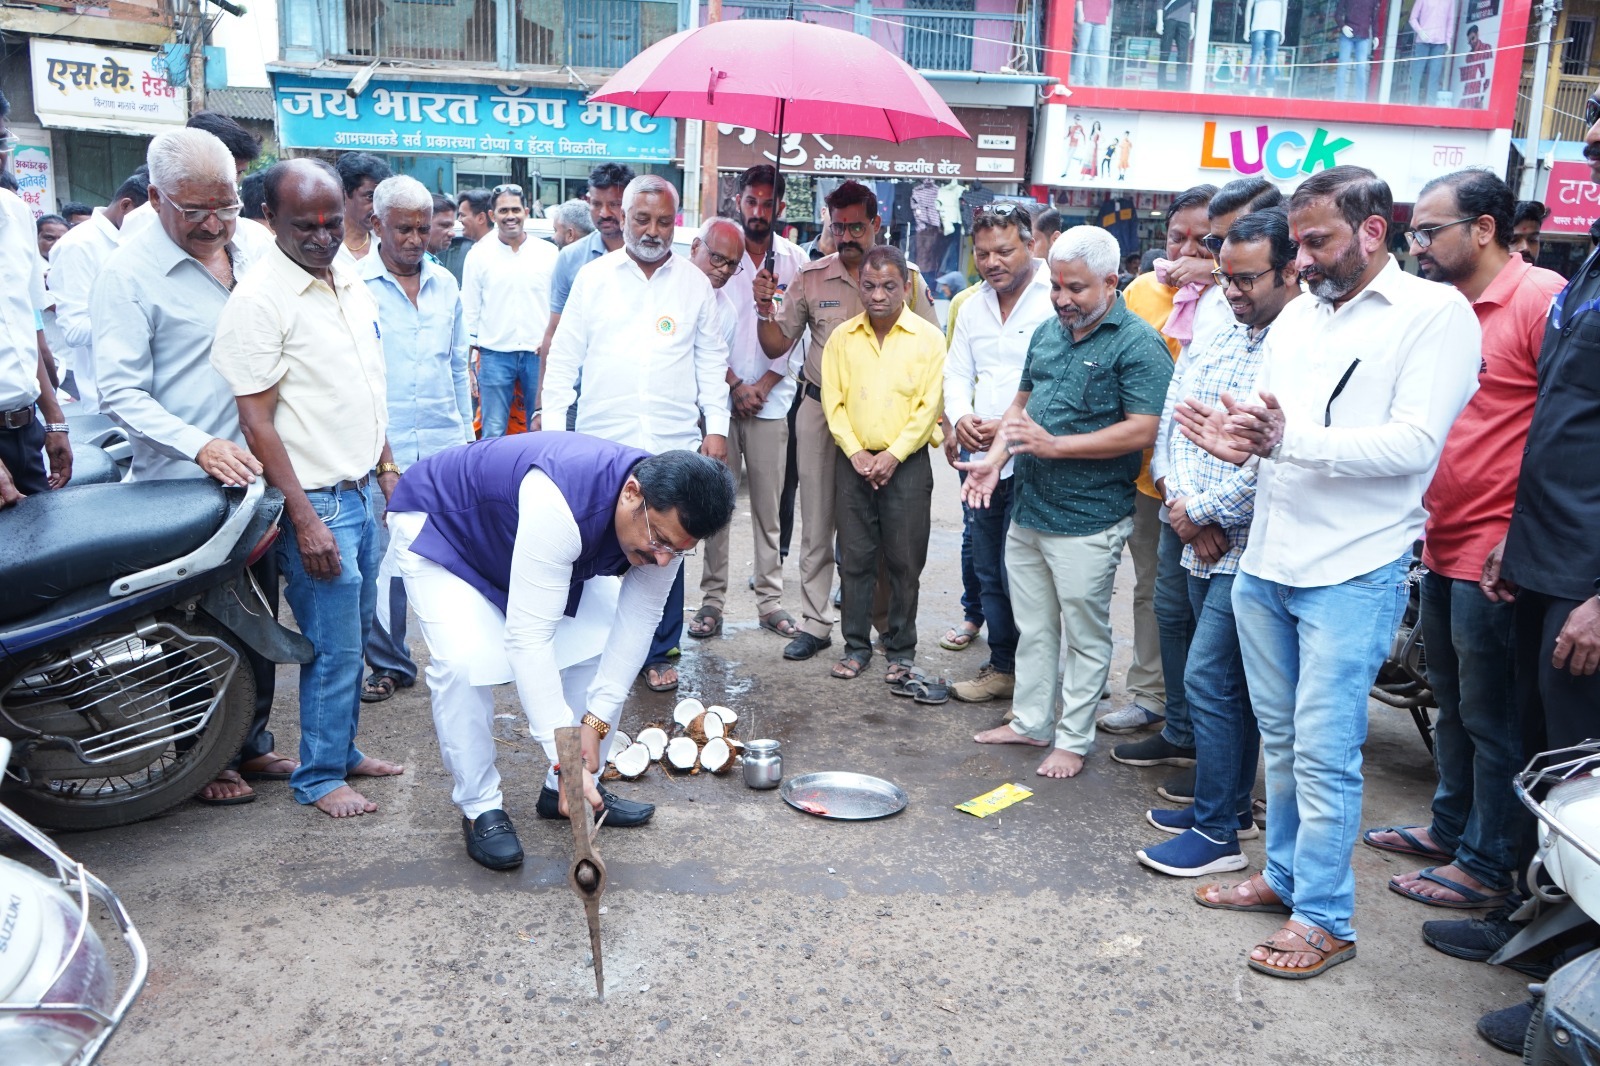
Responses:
[610,773]
[682,756]
[717,756]
[706,725]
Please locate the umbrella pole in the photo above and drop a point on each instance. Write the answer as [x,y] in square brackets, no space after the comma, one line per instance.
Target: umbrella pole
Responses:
[777,178]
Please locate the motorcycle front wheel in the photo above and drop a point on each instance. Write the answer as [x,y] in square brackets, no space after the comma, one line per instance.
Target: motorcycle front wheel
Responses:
[136,721]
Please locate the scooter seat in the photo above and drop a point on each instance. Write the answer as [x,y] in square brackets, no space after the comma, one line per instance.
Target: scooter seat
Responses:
[93,466]
[54,543]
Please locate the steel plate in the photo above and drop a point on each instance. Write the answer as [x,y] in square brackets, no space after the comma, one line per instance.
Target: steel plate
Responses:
[847,796]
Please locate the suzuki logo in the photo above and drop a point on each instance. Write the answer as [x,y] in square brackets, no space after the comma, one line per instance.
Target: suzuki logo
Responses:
[1282,155]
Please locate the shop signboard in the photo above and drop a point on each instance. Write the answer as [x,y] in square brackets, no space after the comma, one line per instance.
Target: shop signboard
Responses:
[114,90]
[444,118]
[997,151]
[1165,152]
[34,169]
[1572,198]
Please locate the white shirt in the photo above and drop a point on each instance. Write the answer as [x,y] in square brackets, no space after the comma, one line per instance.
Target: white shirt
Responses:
[1341,501]
[505,292]
[745,356]
[651,352]
[548,544]
[75,262]
[984,363]
[21,299]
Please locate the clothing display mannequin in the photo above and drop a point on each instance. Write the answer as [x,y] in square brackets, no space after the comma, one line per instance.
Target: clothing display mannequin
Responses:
[1175,27]
[1091,40]
[930,230]
[1264,21]
[1434,22]
[1358,25]
[950,194]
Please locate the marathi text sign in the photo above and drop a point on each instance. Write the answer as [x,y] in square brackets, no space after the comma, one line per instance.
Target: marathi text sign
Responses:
[465,119]
[1572,198]
[996,152]
[91,87]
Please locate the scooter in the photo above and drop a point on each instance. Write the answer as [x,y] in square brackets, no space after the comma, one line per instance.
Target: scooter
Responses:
[58,993]
[125,612]
[1403,678]
[1562,789]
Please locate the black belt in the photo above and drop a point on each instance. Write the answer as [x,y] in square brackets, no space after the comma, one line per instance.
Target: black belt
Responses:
[346,486]
[21,418]
[813,392]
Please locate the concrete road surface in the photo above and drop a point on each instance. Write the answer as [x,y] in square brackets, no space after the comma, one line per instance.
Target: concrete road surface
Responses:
[739,930]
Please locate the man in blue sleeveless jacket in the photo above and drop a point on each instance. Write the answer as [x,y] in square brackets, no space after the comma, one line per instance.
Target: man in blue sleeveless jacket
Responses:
[512,549]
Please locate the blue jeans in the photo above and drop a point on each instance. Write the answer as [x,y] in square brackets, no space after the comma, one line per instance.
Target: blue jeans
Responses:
[989,526]
[498,373]
[971,598]
[335,616]
[1478,737]
[1264,58]
[1428,59]
[1310,656]
[1226,739]
[1354,55]
[1175,620]
[1092,42]
[670,629]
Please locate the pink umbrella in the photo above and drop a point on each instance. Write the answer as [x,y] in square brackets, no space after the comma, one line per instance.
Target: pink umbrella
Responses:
[783,76]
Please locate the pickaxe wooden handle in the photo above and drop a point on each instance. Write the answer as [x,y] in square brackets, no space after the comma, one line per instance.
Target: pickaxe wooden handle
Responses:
[588,873]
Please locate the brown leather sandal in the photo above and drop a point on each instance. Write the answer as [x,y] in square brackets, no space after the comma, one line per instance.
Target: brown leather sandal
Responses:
[1329,950]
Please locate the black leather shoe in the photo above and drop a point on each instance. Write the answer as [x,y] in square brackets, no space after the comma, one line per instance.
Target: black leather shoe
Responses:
[491,840]
[619,812]
[804,646]
[1507,1029]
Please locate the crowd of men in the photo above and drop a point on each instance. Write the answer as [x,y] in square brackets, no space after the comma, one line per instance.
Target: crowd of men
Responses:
[1268,420]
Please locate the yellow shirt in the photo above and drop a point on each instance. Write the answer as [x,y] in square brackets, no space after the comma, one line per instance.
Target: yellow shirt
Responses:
[955,309]
[884,399]
[321,347]
[1151,301]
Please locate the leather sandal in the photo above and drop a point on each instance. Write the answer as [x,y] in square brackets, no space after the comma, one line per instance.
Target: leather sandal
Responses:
[1329,949]
[1260,892]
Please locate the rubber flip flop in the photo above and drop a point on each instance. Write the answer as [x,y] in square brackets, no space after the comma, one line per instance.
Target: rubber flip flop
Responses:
[961,640]
[231,801]
[773,621]
[644,675]
[1412,845]
[1471,899]
[263,775]
[701,615]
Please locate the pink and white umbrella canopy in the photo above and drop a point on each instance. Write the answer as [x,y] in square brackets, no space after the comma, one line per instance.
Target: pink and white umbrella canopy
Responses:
[783,76]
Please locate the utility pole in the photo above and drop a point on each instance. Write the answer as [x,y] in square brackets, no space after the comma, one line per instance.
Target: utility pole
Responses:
[710,201]
[1534,130]
[197,58]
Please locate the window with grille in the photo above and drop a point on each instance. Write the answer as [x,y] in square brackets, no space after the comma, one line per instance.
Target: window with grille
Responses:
[1580,45]
[940,41]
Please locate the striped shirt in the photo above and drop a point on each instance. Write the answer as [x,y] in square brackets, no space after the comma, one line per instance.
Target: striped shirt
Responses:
[1215,492]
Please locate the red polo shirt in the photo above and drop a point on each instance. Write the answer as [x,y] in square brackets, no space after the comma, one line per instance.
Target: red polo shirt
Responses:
[1469,502]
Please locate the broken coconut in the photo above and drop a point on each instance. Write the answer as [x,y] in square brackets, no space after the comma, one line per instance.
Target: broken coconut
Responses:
[706,724]
[727,714]
[634,761]
[654,738]
[683,755]
[687,711]
[717,756]
[620,741]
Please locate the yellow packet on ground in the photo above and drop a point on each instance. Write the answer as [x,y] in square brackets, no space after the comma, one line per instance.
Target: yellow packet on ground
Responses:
[996,800]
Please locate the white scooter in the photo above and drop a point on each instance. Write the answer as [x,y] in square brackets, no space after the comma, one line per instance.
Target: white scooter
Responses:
[58,992]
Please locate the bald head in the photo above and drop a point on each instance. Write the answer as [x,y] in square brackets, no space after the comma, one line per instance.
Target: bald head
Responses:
[305,208]
[717,250]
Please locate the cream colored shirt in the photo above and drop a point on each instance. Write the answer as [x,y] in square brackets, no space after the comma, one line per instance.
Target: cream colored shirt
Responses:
[322,348]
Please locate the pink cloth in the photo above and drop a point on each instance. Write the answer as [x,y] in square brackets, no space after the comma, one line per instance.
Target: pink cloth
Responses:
[1180,324]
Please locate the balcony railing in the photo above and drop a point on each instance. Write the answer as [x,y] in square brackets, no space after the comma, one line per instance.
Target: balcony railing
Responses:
[503,33]
[152,11]
[976,35]
[1564,120]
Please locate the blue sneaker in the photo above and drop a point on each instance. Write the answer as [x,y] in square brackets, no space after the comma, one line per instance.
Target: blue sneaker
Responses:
[1177,821]
[1193,854]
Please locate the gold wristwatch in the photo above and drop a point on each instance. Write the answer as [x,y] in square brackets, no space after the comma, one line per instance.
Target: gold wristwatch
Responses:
[388,468]
[594,723]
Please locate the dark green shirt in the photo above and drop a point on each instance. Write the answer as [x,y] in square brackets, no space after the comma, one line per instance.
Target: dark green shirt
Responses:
[1120,369]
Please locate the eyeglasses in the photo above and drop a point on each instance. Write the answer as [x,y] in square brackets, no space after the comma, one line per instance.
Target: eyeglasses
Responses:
[1003,209]
[1242,282]
[855,229]
[1423,237]
[722,262]
[1212,243]
[196,215]
[656,546]
[1591,111]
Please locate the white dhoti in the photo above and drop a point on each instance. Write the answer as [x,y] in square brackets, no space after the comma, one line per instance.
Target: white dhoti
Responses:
[465,634]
